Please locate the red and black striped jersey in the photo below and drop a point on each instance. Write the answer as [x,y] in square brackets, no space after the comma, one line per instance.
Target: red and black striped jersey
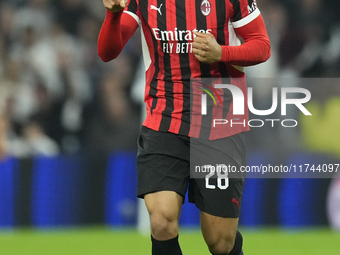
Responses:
[167,36]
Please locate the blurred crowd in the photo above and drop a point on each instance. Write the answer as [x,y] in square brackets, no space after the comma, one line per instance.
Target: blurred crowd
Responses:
[305,38]
[56,95]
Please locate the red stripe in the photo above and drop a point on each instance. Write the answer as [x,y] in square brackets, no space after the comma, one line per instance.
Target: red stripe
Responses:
[211,24]
[157,112]
[195,124]
[151,71]
[191,25]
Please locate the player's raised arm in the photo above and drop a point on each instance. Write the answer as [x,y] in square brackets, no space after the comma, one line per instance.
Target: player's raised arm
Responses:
[117,29]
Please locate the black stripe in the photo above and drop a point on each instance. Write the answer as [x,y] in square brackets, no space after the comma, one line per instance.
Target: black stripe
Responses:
[250,3]
[237,10]
[201,22]
[221,21]
[132,7]
[169,85]
[185,70]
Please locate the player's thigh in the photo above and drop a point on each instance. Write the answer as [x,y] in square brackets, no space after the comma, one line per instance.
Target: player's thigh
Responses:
[219,233]
[164,208]
[166,204]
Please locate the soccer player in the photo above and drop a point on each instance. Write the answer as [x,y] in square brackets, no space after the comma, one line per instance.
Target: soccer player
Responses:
[182,40]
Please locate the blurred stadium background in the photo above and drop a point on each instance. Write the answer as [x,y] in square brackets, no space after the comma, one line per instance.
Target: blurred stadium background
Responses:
[68,184]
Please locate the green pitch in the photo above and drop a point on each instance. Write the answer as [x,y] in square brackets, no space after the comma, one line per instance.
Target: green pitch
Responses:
[101,241]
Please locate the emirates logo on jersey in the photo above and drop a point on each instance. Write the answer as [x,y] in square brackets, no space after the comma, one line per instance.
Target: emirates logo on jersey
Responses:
[205,7]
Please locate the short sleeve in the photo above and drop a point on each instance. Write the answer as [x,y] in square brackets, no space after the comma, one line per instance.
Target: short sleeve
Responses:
[133,10]
[244,12]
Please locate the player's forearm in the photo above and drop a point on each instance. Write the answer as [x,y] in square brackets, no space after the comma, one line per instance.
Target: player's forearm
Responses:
[117,29]
[256,48]
[110,38]
[250,53]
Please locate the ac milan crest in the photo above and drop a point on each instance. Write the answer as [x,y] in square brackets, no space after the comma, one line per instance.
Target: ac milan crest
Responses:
[205,7]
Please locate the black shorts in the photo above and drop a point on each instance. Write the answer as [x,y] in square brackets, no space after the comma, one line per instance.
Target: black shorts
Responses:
[163,163]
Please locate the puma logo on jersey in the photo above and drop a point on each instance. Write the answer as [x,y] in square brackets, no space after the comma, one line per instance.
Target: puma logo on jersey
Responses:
[252,7]
[152,7]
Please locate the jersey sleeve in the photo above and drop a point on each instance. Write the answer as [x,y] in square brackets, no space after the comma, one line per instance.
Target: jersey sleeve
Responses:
[244,12]
[116,30]
[133,10]
[254,50]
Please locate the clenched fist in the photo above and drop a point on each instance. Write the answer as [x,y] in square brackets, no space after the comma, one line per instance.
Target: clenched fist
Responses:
[115,5]
[206,48]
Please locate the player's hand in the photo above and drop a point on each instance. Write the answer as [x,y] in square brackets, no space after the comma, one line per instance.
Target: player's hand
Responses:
[115,5]
[206,48]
